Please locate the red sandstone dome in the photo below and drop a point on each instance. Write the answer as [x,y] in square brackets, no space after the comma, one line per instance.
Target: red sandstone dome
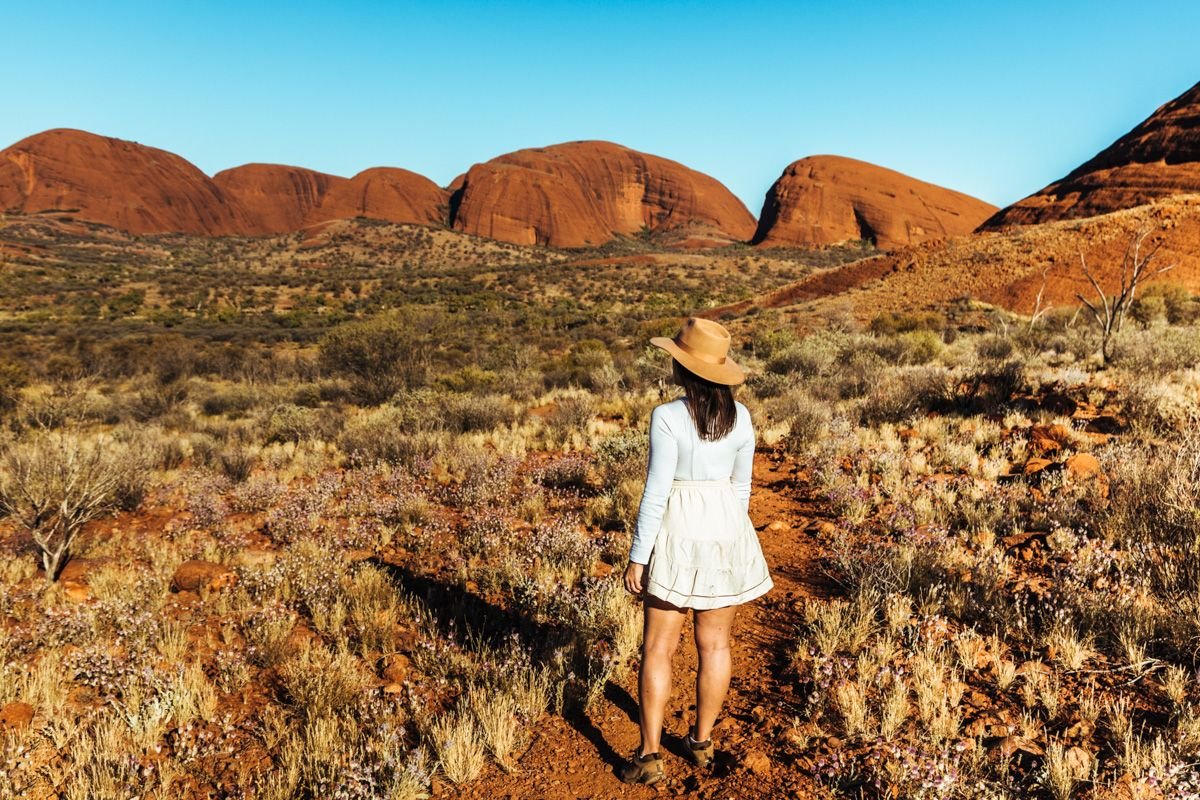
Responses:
[120,183]
[1158,158]
[581,194]
[823,200]
[280,199]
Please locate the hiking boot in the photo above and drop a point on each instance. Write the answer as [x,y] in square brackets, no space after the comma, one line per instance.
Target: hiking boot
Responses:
[645,769]
[701,753]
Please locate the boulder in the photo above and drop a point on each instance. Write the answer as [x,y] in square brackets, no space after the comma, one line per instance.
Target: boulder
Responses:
[199,576]
[15,715]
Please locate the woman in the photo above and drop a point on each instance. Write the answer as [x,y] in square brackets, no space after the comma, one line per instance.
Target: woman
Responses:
[694,547]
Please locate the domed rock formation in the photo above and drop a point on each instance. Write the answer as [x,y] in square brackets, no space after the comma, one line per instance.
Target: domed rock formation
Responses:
[1158,158]
[276,198]
[120,183]
[281,199]
[823,200]
[581,194]
[387,193]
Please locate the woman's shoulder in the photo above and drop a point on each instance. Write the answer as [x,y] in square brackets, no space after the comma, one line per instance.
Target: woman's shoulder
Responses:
[669,410]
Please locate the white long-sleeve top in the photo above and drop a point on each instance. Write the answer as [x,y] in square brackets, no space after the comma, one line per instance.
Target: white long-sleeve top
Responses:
[678,453]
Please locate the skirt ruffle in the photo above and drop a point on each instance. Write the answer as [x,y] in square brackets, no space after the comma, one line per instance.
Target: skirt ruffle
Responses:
[707,553]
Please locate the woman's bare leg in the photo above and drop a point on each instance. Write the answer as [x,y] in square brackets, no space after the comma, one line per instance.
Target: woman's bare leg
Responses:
[712,678]
[660,636]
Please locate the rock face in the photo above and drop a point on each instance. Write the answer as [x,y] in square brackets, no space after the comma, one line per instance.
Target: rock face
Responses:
[142,189]
[276,198]
[388,193]
[281,199]
[1158,158]
[823,200]
[124,184]
[581,194]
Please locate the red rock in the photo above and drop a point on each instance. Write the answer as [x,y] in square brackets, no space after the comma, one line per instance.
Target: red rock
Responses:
[1011,745]
[580,194]
[397,668]
[281,199]
[823,200]
[387,193]
[1035,465]
[120,183]
[276,198]
[197,576]
[757,762]
[1158,158]
[15,715]
[1083,465]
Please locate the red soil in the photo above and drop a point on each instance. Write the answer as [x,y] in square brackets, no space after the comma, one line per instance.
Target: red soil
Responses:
[576,757]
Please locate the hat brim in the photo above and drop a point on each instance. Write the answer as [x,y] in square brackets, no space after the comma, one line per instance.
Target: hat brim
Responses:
[728,373]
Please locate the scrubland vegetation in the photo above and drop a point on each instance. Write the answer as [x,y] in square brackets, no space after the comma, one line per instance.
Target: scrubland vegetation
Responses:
[365,558]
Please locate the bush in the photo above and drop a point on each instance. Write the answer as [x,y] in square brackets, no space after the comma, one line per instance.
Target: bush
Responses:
[55,483]
[380,356]
[891,323]
[385,434]
[13,378]
[289,423]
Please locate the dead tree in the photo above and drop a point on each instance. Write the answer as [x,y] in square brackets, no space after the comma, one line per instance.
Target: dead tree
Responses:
[1109,311]
[1039,310]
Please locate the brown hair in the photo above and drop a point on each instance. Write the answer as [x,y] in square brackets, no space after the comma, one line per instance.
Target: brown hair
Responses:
[710,404]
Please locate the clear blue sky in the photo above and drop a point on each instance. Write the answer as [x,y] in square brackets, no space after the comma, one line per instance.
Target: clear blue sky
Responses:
[994,99]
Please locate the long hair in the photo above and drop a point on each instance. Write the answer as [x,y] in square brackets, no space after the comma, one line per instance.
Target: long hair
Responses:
[710,404]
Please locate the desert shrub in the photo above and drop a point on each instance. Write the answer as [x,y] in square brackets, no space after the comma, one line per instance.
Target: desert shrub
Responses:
[13,378]
[913,347]
[899,394]
[861,371]
[815,354]
[379,356]
[54,483]
[1157,351]
[571,414]
[569,471]
[805,416]
[319,681]
[1148,309]
[293,423]
[236,461]
[891,323]
[388,434]
[1166,300]
[766,385]
[479,476]
[1156,407]
[462,413]
[994,347]
[230,400]
[470,378]
[767,343]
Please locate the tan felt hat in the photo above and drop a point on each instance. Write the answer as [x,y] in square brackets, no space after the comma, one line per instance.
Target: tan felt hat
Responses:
[702,346]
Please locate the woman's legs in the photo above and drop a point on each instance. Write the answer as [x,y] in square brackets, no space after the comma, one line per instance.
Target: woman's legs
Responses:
[712,678]
[660,636]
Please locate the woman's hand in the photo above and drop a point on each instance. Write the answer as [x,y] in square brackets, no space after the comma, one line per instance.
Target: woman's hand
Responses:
[633,578]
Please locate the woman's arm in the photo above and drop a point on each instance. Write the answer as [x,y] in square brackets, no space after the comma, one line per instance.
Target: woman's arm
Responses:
[743,465]
[660,471]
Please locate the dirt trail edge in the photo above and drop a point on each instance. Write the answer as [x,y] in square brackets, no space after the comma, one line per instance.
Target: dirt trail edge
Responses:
[576,756]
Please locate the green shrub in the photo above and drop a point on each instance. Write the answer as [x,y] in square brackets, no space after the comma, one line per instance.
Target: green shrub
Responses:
[379,356]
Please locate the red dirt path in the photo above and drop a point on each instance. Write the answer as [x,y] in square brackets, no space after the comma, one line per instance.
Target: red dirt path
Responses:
[575,757]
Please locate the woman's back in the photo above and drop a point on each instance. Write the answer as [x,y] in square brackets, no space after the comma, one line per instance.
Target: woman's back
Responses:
[678,453]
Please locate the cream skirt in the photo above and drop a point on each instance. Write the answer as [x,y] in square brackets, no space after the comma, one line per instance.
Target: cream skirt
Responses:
[707,553]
